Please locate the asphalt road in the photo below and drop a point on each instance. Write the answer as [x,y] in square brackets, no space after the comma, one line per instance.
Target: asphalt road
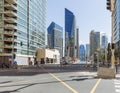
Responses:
[55,79]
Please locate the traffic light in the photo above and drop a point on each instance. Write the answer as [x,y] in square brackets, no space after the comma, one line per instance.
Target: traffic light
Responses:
[67,47]
[95,57]
[21,43]
[108,48]
[113,45]
[108,4]
[14,56]
[75,47]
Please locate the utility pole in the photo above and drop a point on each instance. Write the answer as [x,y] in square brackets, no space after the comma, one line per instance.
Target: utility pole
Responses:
[111,8]
[112,19]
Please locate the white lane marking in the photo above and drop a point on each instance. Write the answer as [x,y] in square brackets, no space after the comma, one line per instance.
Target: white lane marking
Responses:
[117,86]
[117,90]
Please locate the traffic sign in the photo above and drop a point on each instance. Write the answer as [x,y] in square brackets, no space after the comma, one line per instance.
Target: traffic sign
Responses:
[10,57]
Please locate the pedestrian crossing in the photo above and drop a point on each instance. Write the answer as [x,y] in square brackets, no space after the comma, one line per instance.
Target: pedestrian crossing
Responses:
[117,85]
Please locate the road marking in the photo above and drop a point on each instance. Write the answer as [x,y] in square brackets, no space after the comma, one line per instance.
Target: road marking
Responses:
[95,86]
[65,84]
[117,90]
[70,88]
[117,86]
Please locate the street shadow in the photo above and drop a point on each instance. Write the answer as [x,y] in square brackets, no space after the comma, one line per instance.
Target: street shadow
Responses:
[82,77]
[27,85]
[79,79]
[5,82]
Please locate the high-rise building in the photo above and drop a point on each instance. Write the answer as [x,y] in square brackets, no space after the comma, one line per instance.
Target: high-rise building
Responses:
[87,51]
[22,28]
[94,42]
[77,44]
[55,37]
[70,34]
[104,40]
[82,53]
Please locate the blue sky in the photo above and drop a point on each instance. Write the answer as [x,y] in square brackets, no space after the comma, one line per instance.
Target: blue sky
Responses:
[90,14]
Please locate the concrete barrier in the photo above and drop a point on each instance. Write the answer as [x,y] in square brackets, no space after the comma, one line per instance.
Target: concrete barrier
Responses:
[106,72]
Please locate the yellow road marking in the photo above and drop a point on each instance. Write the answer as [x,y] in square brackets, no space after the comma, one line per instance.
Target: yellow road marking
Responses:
[66,85]
[95,86]
[70,88]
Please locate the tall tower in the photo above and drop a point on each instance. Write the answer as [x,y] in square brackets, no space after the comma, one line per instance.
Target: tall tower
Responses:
[104,40]
[94,42]
[87,51]
[70,34]
[22,28]
[55,37]
[82,53]
[77,44]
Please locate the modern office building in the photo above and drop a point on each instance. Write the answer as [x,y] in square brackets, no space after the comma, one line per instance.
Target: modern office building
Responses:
[77,44]
[94,42]
[82,53]
[22,28]
[70,34]
[87,51]
[55,37]
[104,40]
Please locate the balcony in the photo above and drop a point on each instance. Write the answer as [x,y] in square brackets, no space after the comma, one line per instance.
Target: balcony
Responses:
[8,39]
[8,46]
[10,33]
[10,6]
[10,13]
[11,1]
[10,20]
[11,27]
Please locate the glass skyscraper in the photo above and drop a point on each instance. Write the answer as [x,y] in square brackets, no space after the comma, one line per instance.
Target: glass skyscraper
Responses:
[22,27]
[55,37]
[82,53]
[116,23]
[70,34]
[94,42]
[87,51]
[104,40]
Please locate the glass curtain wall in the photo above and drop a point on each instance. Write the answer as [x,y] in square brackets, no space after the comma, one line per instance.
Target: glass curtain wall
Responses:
[31,26]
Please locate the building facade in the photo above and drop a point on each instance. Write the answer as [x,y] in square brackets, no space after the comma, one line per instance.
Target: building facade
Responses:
[94,42]
[87,51]
[55,37]
[77,45]
[82,53]
[116,24]
[104,40]
[70,35]
[45,56]
[22,27]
